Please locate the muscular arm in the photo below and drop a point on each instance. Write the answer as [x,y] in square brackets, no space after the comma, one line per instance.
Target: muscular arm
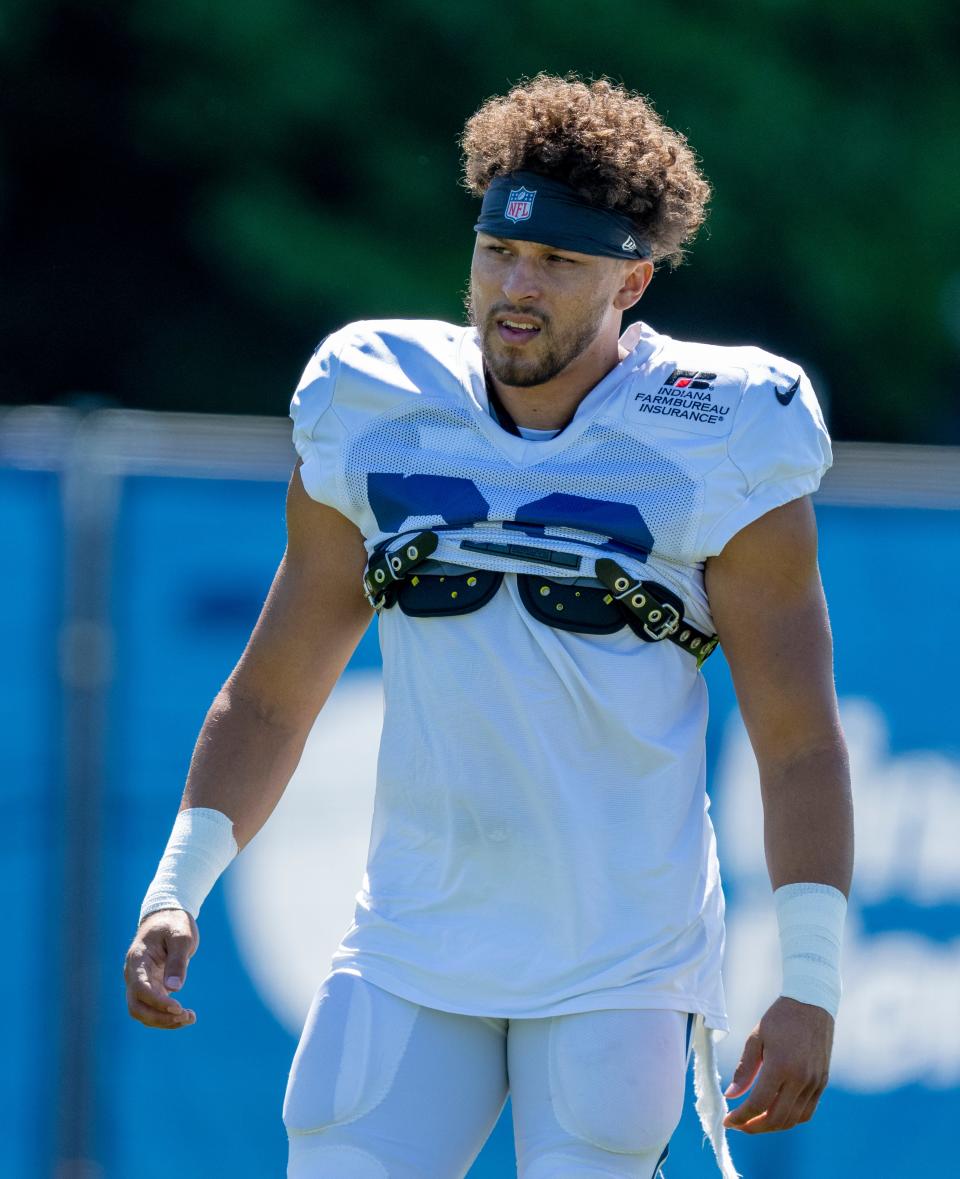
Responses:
[313,618]
[768,605]
[256,728]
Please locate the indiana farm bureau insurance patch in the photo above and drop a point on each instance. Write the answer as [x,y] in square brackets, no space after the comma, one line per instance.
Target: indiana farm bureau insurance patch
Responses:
[691,399]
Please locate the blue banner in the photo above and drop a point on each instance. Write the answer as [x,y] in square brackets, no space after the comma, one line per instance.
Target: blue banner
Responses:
[193,559]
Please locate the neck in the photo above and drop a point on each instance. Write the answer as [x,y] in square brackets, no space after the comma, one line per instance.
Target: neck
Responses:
[550,406]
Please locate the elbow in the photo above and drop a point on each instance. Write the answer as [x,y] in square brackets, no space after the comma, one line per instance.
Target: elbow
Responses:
[820,758]
[260,709]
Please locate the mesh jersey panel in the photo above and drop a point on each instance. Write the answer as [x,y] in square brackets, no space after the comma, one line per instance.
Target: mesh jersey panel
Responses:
[605,463]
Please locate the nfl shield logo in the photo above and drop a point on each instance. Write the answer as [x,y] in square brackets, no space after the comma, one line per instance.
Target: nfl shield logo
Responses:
[519,204]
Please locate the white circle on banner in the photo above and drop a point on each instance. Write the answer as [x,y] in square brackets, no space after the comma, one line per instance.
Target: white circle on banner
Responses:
[291,892]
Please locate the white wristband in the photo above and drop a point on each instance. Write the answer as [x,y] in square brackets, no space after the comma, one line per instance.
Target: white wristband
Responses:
[810,917]
[200,847]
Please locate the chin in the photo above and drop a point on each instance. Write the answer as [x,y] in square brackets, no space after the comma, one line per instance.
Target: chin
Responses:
[525,380]
[515,371]
[518,376]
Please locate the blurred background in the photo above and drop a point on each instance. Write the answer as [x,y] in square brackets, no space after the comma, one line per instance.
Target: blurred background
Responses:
[191,195]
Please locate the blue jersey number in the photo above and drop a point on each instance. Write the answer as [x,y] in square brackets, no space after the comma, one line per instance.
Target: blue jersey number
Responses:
[621,522]
[459,503]
[394,498]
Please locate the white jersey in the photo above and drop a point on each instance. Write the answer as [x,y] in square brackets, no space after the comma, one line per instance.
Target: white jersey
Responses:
[541,843]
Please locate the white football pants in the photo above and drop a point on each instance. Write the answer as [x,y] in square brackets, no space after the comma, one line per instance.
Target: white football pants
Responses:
[382,1088]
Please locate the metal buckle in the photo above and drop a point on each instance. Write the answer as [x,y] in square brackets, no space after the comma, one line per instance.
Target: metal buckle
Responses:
[377,576]
[388,568]
[668,626]
[376,601]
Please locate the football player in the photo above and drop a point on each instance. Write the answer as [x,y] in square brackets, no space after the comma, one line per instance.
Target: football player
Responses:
[557,523]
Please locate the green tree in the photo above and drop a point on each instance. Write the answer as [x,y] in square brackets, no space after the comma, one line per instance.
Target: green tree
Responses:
[193,193]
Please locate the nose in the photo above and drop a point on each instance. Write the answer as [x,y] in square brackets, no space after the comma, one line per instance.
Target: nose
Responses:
[521,283]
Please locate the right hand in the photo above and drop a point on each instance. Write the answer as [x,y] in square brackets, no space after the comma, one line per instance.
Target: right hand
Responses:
[156,965]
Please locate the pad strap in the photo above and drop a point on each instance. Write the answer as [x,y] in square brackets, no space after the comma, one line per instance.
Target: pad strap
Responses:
[652,611]
[658,612]
[386,569]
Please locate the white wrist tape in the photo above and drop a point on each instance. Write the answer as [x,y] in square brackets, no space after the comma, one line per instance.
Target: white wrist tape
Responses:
[810,917]
[200,847]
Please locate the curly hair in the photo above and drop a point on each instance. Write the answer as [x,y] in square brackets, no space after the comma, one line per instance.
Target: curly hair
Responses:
[606,142]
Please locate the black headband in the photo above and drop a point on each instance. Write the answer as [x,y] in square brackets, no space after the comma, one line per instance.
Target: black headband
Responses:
[531,208]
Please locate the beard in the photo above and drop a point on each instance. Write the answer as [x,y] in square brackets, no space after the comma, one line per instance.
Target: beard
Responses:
[553,353]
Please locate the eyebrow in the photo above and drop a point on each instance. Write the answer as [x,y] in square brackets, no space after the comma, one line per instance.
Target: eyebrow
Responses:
[550,249]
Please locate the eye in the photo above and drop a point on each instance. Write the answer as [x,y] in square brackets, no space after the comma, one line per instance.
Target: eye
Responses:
[502,250]
[561,258]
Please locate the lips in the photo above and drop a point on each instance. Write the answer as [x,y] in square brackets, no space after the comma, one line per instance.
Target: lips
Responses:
[517,329]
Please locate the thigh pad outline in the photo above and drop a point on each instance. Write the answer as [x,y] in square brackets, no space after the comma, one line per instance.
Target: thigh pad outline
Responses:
[613,1085]
[352,1045]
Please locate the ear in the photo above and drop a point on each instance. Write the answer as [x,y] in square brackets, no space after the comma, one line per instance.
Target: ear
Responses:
[635,282]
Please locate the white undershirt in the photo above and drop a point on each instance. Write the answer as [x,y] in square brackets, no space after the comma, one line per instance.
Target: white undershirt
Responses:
[532,435]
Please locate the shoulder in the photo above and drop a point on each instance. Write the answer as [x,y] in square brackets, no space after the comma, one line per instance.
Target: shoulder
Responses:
[776,423]
[741,370]
[719,390]
[373,344]
[372,365]
[744,420]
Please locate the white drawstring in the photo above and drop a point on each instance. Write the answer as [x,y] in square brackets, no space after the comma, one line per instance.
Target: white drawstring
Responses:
[711,1104]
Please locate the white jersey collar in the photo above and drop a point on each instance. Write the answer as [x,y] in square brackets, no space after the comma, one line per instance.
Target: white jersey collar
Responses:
[642,343]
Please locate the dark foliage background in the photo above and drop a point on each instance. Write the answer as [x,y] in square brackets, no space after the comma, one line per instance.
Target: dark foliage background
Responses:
[193,192]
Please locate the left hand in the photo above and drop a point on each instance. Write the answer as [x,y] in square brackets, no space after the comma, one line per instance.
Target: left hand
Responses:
[792,1043]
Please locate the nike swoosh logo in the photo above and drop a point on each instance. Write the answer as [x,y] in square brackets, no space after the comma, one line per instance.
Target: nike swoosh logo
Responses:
[785,396]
